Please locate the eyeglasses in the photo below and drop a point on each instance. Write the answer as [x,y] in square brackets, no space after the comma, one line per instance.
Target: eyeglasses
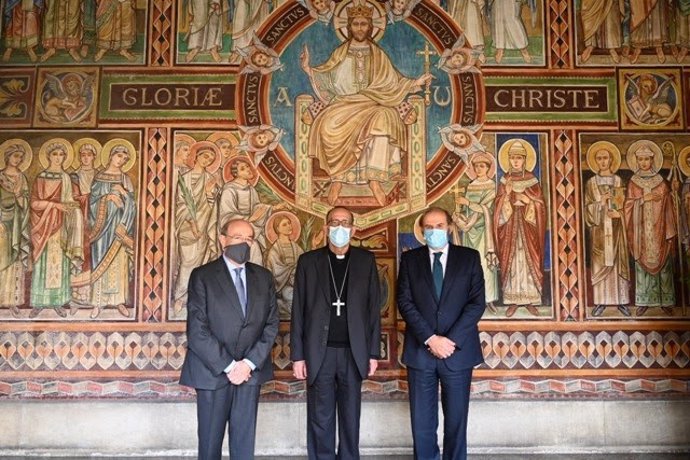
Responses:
[337,223]
[247,239]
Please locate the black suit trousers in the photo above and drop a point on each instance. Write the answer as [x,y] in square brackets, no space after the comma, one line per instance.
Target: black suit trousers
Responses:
[455,397]
[338,384]
[234,406]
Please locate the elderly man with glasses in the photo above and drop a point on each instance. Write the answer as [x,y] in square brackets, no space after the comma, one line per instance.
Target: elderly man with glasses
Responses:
[232,322]
[335,335]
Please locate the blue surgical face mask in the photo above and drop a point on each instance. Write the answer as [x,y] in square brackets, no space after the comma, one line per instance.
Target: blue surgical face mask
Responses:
[436,238]
[339,236]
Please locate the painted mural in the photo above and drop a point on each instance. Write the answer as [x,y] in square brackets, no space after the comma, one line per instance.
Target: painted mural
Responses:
[555,134]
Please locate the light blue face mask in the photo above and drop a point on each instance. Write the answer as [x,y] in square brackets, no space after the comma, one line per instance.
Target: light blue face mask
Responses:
[339,236]
[436,238]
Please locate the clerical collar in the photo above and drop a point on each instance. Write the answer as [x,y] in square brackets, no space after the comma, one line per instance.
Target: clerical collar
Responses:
[339,256]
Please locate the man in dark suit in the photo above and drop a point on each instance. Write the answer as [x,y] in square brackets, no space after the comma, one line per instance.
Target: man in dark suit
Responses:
[232,322]
[441,299]
[335,336]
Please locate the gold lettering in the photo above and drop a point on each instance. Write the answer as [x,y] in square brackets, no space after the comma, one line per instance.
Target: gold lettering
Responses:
[162,96]
[499,94]
[181,94]
[212,98]
[144,101]
[283,97]
[129,96]
[590,99]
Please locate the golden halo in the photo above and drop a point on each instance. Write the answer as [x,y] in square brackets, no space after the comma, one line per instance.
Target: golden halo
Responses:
[78,145]
[340,19]
[491,173]
[183,138]
[683,161]
[227,169]
[24,165]
[296,226]
[632,160]
[530,160]
[43,152]
[107,147]
[227,135]
[204,145]
[609,147]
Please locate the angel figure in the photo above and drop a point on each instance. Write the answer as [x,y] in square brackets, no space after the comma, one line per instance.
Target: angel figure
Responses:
[321,10]
[259,58]
[399,10]
[259,140]
[461,140]
[650,102]
[66,98]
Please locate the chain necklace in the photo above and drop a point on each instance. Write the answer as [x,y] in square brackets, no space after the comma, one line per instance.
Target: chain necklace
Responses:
[338,293]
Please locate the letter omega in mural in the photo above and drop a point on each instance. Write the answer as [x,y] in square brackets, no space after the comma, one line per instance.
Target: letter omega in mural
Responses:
[555,134]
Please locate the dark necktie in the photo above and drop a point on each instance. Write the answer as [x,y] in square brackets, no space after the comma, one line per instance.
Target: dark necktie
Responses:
[241,293]
[438,274]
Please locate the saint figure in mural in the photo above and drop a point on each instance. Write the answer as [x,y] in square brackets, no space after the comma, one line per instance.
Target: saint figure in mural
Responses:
[474,218]
[359,137]
[649,27]
[88,152]
[469,16]
[602,27]
[116,28]
[63,28]
[682,16]
[520,223]
[89,27]
[14,224]
[206,27]
[603,211]
[684,165]
[183,147]
[240,200]
[196,213]
[283,229]
[507,29]
[248,16]
[57,227]
[21,27]
[112,218]
[651,228]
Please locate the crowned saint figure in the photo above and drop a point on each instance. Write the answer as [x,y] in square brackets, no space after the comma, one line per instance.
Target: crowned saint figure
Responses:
[358,138]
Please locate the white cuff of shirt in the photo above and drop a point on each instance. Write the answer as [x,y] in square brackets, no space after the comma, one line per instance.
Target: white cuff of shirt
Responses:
[251,365]
[426,342]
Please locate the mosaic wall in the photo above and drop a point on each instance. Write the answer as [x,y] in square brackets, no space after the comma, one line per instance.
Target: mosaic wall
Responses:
[555,132]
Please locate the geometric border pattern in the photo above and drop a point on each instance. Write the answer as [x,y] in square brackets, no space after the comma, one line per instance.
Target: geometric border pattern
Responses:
[152,352]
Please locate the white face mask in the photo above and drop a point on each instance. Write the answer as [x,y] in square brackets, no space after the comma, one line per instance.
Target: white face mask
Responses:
[339,236]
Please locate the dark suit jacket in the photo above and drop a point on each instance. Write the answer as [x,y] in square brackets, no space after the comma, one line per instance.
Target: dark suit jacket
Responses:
[311,310]
[218,333]
[455,315]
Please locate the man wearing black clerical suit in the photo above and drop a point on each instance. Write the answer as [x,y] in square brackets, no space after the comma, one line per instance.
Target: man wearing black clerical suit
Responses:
[441,299]
[232,322]
[335,336]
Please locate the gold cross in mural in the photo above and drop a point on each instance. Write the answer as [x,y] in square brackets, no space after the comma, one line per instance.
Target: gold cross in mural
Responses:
[427,53]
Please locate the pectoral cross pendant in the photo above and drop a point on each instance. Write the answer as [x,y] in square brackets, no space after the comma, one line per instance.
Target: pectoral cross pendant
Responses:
[337,304]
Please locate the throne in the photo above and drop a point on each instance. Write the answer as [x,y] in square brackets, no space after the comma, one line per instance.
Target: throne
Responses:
[404,192]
